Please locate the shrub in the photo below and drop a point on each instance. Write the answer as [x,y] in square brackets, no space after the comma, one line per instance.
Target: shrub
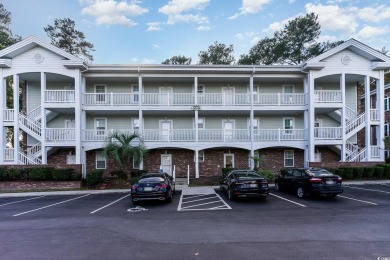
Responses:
[386,172]
[347,173]
[94,177]
[358,173]
[119,174]
[14,174]
[368,172]
[378,172]
[40,173]
[76,177]
[133,180]
[3,174]
[62,174]
[138,173]
[268,175]
[339,172]
[226,170]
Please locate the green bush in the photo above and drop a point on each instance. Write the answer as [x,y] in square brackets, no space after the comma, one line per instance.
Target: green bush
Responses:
[339,172]
[119,174]
[14,174]
[76,177]
[368,172]
[226,170]
[3,174]
[62,174]
[386,172]
[268,175]
[378,172]
[358,173]
[94,177]
[133,180]
[40,173]
[347,173]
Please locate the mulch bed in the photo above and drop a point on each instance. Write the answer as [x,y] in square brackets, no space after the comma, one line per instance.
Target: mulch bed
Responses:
[38,185]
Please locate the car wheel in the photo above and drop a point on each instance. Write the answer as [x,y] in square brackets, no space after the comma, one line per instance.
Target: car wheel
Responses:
[300,192]
[277,188]
[230,195]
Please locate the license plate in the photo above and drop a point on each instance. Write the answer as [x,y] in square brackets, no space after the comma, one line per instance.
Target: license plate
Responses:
[148,188]
[253,185]
[330,182]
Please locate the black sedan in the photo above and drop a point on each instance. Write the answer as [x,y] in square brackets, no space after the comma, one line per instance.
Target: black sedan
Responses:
[153,186]
[244,183]
[309,181]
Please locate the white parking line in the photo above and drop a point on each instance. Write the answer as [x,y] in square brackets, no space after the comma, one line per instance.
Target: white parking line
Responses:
[200,204]
[358,200]
[189,201]
[288,200]
[367,189]
[51,205]
[21,201]
[110,204]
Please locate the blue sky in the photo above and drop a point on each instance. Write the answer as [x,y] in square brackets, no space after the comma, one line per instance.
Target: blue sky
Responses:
[150,31]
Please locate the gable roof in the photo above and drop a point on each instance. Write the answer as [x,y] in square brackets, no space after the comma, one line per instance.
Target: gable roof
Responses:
[69,60]
[378,59]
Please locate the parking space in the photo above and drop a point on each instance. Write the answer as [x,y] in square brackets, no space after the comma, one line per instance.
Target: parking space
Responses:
[114,205]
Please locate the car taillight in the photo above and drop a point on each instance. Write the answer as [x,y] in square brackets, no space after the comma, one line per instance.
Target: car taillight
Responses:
[339,180]
[161,186]
[134,187]
[316,180]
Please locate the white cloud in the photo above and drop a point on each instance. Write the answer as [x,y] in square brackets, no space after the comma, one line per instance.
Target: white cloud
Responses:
[185,11]
[291,1]
[276,26]
[250,7]
[203,28]
[370,31]
[110,12]
[155,46]
[374,14]
[154,26]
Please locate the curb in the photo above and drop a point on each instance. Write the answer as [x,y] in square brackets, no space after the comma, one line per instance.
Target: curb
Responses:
[178,188]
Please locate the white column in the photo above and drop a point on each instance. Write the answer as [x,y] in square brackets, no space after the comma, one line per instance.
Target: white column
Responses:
[84,165]
[367,101]
[196,90]
[343,139]
[311,116]
[3,102]
[43,118]
[380,86]
[251,119]
[196,111]
[77,114]
[196,163]
[306,154]
[140,114]
[16,115]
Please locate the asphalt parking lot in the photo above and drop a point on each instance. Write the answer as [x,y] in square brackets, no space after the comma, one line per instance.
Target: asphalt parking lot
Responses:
[355,225]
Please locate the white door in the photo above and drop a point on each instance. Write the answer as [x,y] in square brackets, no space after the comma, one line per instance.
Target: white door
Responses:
[166,163]
[165,97]
[228,96]
[70,159]
[228,160]
[166,131]
[228,131]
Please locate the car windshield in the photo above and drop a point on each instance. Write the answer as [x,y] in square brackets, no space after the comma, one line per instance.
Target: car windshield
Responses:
[319,172]
[246,175]
[151,179]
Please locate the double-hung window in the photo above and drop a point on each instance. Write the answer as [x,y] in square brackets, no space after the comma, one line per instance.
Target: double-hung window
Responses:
[288,158]
[100,160]
[288,125]
[100,126]
[100,91]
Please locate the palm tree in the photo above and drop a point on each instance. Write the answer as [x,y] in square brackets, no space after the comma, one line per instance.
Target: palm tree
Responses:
[124,148]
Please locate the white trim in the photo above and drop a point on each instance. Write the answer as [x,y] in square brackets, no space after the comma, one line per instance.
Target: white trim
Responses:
[201,118]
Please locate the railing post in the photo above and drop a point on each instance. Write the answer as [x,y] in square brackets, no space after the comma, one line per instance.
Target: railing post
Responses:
[112,99]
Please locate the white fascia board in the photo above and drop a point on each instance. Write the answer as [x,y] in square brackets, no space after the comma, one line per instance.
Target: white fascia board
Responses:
[380,65]
[313,66]
[72,64]
[5,63]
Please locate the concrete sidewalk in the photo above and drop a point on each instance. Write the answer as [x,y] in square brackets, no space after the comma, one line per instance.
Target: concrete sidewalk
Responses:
[184,188]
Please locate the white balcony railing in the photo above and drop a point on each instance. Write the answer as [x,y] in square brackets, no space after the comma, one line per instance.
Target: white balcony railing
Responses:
[59,96]
[279,99]
[176,135]
[264,135]
[374,114]
[60,134]
[8,154]
[327,96]
[375,151]
[102,135]
[167,99]
[327,133]
[8,115]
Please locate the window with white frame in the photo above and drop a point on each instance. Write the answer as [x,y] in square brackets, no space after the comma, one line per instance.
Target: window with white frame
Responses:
[135,164]
[201,123]
[387,103]
[200,90]
[100,126]
[135,91]
[200,156]
[136,124]
[288,158]
[387,129]
[288,125]
[100,160]
[100,90]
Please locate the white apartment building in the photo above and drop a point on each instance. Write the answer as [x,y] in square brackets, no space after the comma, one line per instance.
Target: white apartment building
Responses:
[193,118]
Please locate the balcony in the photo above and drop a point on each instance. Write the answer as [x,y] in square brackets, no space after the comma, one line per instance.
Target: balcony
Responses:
[8,115]
[188,99]
[8,154]
[327,133]
[60,134]
[204,135]
[59,96]
[327,96]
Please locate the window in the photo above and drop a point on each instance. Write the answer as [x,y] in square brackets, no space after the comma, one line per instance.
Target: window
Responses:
[135,165]
[100,160]
[135,90]
[289,158]
[288,125]
[200,89]
[100,90]
[136,124]
[201,121]
[200,156]
[387,103]
[100,126]
[387,128]
[228,160]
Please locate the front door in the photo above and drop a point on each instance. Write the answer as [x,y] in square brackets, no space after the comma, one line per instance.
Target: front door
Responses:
[228,131]
[228,96]
[228,160]
[166,131]
[165,96]
[166,163]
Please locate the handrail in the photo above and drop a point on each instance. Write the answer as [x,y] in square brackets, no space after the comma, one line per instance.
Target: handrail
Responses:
[32,125]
